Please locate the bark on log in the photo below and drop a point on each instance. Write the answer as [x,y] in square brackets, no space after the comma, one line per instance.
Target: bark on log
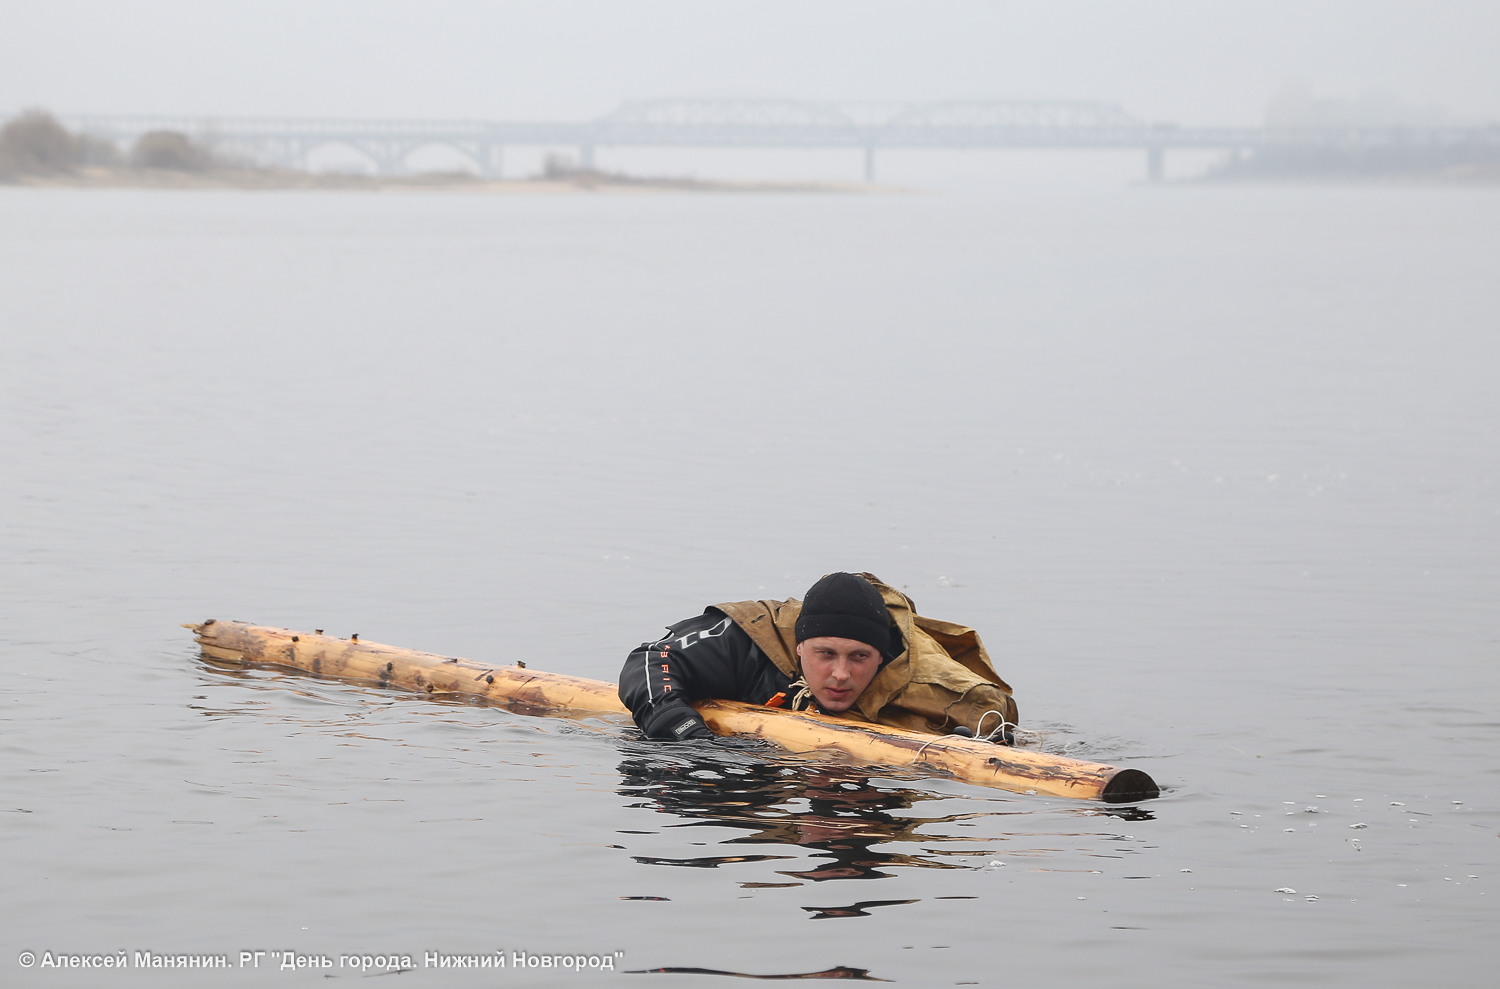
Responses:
[535,692]
[1003,766]
[531,691]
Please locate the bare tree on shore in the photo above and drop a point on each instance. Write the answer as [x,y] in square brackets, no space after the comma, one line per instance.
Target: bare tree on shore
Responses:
[35,143]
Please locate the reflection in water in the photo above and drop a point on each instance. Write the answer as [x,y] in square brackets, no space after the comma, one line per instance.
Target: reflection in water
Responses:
[859,909]
[830,808]
[339,699]
[1126,813]
[861,974]
[834,811]
[707,863]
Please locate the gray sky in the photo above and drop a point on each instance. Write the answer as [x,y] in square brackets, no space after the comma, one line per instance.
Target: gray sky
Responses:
[1191,61]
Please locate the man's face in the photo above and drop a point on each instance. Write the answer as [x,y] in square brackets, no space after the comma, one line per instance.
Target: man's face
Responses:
[837,670]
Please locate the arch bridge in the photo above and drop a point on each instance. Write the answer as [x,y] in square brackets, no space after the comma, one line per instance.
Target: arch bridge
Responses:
[871,127]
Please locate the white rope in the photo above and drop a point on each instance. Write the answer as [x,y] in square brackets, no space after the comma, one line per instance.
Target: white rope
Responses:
[977,736]
[935,738]
[1015,728]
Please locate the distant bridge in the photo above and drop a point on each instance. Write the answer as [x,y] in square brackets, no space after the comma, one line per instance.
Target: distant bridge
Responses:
[954,124]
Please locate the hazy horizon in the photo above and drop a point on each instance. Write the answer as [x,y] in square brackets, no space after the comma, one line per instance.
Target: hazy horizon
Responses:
[1168,60]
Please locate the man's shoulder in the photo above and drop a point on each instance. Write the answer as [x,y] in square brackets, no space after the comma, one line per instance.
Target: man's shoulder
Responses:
[712,625]
[710,617]
[771,625]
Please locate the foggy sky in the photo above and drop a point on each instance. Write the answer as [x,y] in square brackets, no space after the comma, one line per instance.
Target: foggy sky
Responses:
[1188,61]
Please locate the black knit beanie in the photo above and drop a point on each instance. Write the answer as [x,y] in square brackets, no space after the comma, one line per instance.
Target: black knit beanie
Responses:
[846,606]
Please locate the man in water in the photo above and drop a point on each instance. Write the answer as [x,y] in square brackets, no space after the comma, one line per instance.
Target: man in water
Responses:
[855,648]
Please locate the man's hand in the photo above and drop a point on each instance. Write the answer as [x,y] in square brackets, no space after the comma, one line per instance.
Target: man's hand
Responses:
[675,722]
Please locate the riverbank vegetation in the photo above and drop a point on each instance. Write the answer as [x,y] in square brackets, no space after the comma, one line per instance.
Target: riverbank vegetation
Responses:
[34,143]
[35,147]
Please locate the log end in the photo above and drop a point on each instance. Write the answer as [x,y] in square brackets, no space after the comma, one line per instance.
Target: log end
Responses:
[1129,785]
[213,647]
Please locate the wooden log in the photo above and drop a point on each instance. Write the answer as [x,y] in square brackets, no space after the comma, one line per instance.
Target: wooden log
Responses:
[1003,766]
[535,692]
[516,687]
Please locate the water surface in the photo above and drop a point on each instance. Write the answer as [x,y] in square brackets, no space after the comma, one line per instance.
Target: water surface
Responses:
[1214,472]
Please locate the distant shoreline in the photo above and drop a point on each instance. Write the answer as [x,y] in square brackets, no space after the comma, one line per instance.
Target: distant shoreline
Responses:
[276,179]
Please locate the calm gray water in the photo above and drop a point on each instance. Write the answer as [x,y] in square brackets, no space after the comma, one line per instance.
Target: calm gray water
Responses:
[1213,471]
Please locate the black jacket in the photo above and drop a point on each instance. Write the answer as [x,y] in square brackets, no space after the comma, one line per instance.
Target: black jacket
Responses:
[704,657]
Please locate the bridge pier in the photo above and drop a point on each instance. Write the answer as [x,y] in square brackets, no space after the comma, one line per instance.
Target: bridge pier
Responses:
[869,163]
[586,157]
[1154,170]
[492,164]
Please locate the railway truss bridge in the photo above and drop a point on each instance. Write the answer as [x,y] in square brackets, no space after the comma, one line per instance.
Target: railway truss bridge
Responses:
[870,127]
